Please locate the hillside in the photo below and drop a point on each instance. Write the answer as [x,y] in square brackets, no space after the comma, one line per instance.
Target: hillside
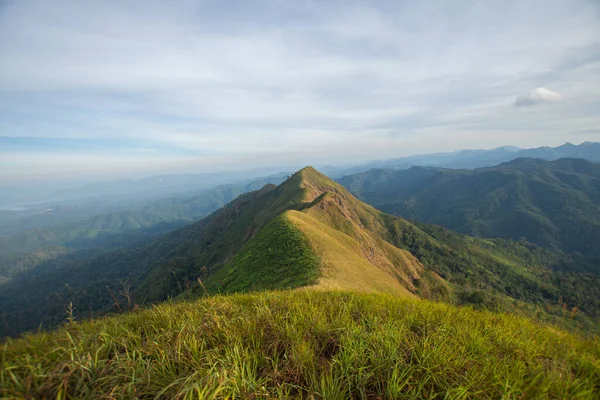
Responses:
[553,204]
[26,250]
[308,231]
[303,344]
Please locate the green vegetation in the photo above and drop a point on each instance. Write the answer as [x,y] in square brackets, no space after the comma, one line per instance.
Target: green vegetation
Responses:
[278,256]
[357,324]
[552,204]
[504,276]
[308,231]
[14,264]
[152,271]
[303,344]
[26,250]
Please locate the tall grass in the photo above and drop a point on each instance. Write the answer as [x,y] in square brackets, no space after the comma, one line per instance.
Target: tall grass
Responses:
[304,344]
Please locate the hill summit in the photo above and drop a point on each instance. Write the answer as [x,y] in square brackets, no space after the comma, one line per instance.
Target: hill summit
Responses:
[339,240]
[307,232]
[311,232]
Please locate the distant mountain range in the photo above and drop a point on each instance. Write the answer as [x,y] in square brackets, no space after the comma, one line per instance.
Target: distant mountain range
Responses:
[82,198]
[307,232]
[469,159]
[555,204]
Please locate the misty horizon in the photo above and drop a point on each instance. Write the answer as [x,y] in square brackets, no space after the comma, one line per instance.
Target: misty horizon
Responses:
[103,90]
[122,176]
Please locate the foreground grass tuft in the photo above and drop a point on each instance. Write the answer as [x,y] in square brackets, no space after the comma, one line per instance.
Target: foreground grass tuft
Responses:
[302,344]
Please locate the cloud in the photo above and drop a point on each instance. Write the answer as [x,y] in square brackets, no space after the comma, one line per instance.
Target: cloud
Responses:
[537,96]
[346,79]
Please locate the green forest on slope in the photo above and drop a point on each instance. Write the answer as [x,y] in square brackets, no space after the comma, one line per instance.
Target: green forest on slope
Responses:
[26,250]
[332,235]
[554,204]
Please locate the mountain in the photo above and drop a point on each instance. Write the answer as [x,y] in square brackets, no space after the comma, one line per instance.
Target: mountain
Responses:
[25,250]
[307,232]
[586,150]
[555,204]
[469,159]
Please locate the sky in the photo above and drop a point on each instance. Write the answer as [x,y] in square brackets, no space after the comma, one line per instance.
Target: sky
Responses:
[111,88]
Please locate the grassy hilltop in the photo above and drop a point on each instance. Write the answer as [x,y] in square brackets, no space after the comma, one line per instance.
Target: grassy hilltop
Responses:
[303,344]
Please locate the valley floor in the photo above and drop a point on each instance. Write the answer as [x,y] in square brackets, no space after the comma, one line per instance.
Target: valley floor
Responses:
[302,344]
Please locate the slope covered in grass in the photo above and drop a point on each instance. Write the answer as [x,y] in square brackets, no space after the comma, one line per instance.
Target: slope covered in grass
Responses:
[307,231]
[344,264]
[303,344]
[277,256]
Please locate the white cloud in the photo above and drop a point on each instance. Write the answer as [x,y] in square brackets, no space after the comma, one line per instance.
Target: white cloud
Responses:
[537,96]
[270,77]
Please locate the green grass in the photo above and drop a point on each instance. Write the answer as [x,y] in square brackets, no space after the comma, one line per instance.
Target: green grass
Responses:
[303,344]
[278,256]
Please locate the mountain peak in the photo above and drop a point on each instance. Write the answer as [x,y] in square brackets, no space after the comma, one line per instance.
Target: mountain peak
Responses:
[589,144]
[311,174]
[308,168]
[512,149]
[312,183]
[566,145]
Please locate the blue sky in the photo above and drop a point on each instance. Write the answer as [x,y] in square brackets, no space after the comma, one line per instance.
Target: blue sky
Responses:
[114,88]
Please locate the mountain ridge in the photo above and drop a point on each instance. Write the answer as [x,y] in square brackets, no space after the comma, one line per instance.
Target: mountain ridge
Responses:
[474,158]
[555,204]
[307,232]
